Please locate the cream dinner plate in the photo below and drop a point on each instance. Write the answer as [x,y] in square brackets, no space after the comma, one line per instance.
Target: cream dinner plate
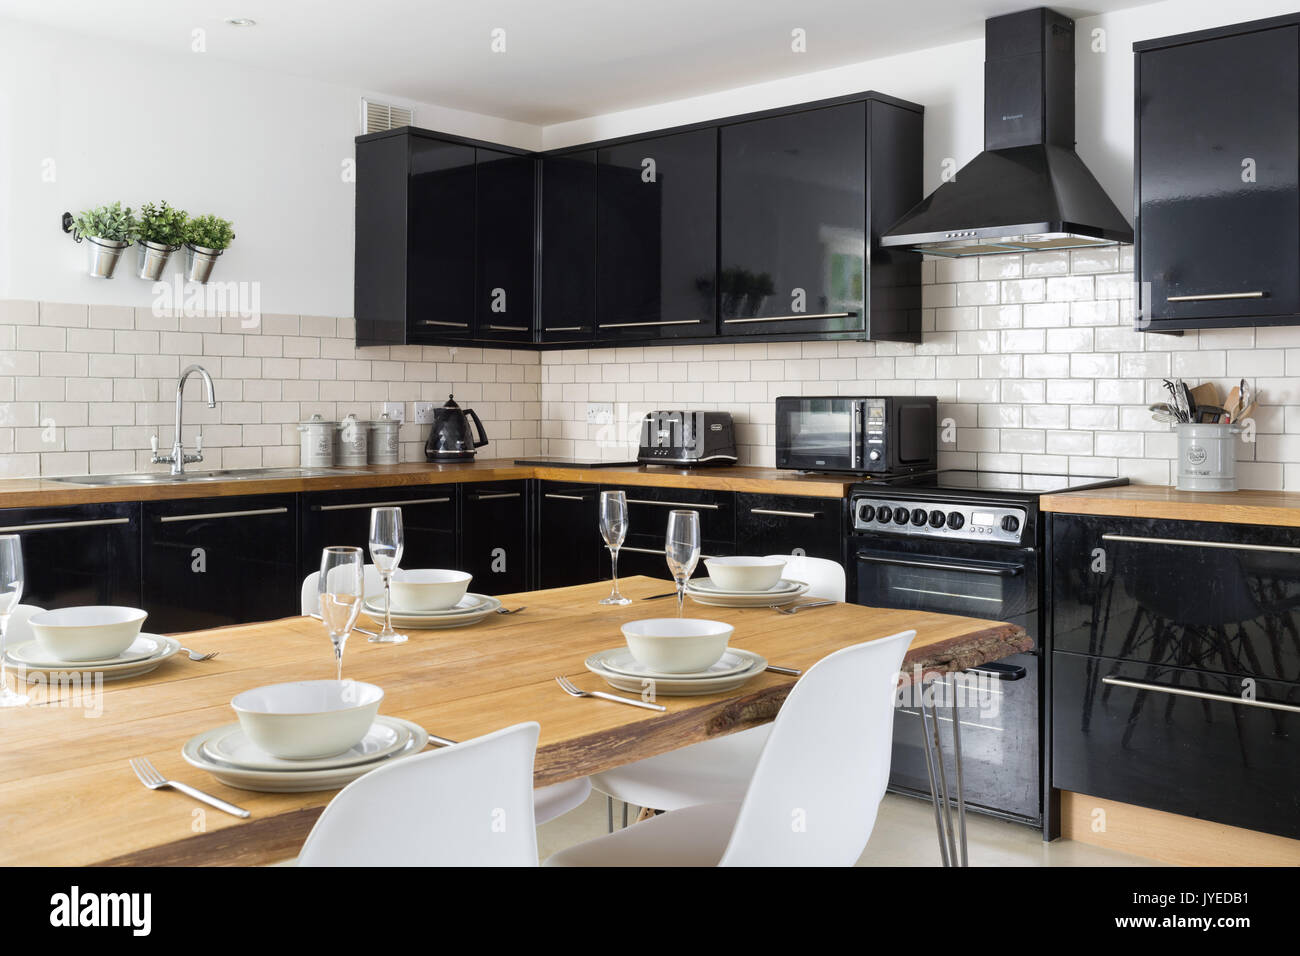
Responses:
[678,686]
[620,661]
[294,781]
[167,647]
[715,598]
[33,655]
[435,621]
[385,736]
[469,604]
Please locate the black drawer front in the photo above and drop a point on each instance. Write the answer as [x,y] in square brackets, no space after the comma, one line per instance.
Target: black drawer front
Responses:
[1203,595]
[1220,760]
[569,541]
[218,561]
[786,524]
[333,518]
[79,555]
[494,536]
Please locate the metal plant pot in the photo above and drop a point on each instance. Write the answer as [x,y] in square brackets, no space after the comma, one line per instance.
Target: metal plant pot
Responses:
[199,261]
[153,259]
[103,255]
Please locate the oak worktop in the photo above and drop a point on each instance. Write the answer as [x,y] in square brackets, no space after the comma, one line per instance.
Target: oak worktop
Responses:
[1274,508]
[42,492]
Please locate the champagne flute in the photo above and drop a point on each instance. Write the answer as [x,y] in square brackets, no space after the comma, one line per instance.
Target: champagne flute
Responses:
[613,528]
[11,592]
[342,586]
[386,543]
[682,549]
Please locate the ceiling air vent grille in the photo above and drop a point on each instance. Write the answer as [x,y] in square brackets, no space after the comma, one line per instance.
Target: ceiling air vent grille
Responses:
[377,117]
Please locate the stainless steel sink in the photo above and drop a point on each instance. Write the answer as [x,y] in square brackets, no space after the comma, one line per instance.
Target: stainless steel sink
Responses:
[234,474]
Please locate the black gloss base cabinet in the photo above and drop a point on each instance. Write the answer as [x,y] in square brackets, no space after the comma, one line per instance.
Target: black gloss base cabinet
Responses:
[1175,667]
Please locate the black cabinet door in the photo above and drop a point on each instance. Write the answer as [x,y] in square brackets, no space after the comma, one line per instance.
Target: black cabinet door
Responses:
[568,272]
[793,224]
[380,256]
[440,229]
[656,237]
[330,518]
[79,555]
[505,245]
[1131,732]
[786,524]
[219,561]
[494,541]
[1218,170]
[569,543]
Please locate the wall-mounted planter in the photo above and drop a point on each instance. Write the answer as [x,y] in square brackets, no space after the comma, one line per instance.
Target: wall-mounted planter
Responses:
[103,255]
[199,261]
[154,257]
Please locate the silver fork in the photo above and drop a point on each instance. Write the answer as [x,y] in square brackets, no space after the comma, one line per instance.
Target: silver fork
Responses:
[512,610]
[152,779]
[799,607]
[574,691]
[196,656]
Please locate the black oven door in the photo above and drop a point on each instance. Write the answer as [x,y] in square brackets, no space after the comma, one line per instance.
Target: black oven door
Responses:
[998,704]
[819,434]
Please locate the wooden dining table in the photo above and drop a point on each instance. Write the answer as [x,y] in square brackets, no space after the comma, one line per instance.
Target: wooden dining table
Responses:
[69,797]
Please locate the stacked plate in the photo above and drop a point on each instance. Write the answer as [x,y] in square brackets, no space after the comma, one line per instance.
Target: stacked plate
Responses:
[469,610]
[704,591]
[145,653]
[620,670]
[228,754]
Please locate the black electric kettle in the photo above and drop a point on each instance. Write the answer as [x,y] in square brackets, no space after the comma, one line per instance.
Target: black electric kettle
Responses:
[450,438]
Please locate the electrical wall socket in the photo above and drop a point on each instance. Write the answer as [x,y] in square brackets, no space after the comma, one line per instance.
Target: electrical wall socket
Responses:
[424,413]
[396,411]
[600,413]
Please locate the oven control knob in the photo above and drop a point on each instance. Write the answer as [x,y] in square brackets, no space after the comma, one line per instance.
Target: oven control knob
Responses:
[1011,523]
[866,512]
[937,519]
[901,515]
[885,514]
[955,520]
[875,455]
[919,517]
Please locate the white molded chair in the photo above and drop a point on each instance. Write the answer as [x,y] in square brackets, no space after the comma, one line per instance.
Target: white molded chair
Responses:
[18,630]
[816,788]
[467,805]
[550,802]
[714,771]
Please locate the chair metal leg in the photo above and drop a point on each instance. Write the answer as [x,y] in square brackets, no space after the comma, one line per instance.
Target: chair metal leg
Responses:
[952,842]
[624,816]
[929,769]
[609,813]
[956,758]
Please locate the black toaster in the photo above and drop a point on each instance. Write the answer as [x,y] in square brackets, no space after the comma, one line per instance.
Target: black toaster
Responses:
[687,438]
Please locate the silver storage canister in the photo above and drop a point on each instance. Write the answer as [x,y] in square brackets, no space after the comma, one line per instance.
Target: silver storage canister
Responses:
[1207,457]
[353,441]
[316,438]
[384,448]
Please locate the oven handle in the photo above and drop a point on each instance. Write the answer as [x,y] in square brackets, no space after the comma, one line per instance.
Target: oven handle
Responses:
[1002,571]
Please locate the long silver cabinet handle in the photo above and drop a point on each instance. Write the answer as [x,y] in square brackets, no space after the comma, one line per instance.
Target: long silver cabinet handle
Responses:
[673,504]
[1214,297]
[1007,571]
[784,514]
[637,325]
[491,497]
[453,325]
[564,497]
[1203,695]
[381,504]
[508,328]
[787,318]
[1186,543]
[59,525]
[565,328]
[224,514]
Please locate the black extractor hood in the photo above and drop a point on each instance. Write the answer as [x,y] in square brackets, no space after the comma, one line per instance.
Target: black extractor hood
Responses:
[1029,190]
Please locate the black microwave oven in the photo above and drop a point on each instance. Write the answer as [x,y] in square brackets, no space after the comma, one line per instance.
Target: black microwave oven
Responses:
[890,435]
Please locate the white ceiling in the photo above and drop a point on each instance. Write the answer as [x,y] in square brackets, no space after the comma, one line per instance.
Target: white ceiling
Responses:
[564,59]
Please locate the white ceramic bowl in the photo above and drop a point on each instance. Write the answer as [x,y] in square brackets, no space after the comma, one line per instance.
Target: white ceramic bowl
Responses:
[430,590]
[742,573]
[307,718]
[677,645]
[86,633]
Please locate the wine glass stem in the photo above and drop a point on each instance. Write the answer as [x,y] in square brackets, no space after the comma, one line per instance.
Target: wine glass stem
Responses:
[338,658]
[613,564]
[388,604]
[681,595]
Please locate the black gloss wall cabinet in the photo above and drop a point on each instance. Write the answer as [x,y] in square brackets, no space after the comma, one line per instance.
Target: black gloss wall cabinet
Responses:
[1175,670]
[656,237]
[1217,183]
[504,245]
[79,555]
[568,248]
[798,218]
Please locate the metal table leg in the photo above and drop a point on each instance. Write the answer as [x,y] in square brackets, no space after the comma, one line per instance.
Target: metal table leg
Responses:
[952,843]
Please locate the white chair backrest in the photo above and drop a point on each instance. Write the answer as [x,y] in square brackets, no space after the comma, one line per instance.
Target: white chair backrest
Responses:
[466,805]
[824,577]
[311,597]
[817,786]
[18,630]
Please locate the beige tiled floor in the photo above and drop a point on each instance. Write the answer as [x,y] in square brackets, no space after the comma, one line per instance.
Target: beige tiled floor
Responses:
[904,836]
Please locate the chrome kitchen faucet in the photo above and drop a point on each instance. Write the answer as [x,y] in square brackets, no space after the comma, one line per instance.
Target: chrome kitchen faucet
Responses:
[178,459]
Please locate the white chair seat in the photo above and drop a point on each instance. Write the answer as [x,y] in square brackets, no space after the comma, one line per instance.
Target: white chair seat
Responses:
[692,836]
[310,597]
[713,771]
[18,630]
[559,798]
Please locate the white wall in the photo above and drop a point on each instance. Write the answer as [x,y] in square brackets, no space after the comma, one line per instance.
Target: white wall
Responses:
[264,150]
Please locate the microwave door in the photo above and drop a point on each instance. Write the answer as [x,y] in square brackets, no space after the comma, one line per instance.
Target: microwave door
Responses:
[820,434]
